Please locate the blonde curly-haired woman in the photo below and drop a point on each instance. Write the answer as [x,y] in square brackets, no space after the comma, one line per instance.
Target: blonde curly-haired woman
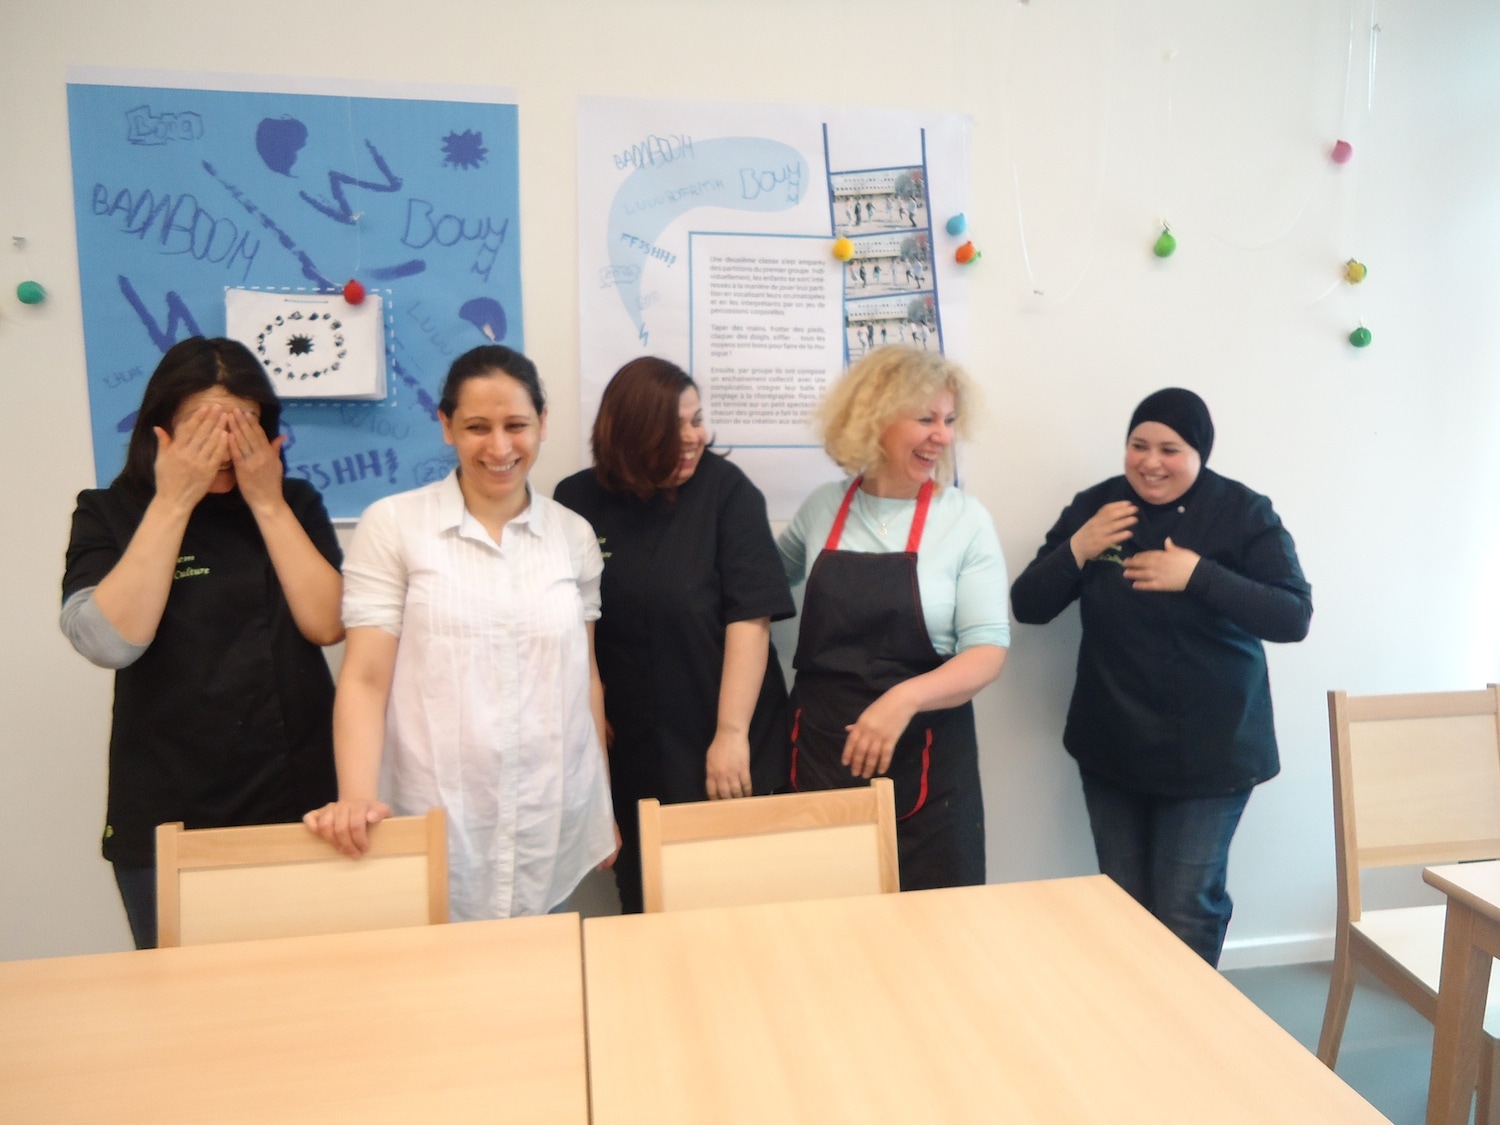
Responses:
[904,616]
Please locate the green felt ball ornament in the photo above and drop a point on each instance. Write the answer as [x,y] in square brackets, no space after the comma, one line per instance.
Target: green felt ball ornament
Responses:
[1166,244]
[31,293]
[1360,337]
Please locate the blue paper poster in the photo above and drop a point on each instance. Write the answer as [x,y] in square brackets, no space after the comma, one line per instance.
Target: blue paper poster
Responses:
[181,194]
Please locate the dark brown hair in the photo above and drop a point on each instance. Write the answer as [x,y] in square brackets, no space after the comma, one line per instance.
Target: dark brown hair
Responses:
[189,366]
[483,361]
[637,435]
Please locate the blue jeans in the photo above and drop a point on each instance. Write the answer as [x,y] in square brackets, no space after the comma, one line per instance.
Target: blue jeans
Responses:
[1170,854]
[138,893]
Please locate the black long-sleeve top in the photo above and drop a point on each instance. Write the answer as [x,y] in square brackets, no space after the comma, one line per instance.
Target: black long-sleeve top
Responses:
[1172,696]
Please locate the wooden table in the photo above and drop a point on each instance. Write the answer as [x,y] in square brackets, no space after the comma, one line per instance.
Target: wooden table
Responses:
[1471,940]
[1053,1002]
[479,1021]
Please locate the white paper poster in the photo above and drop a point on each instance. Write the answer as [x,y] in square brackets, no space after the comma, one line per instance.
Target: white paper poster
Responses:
[706,237]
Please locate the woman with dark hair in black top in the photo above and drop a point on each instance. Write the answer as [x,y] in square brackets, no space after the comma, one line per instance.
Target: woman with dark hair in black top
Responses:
[208,582]
[1180,574]
[693,690]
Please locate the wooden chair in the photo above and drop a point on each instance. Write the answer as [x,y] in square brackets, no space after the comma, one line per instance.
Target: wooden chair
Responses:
[279,880]
[1416,781]
[769,849]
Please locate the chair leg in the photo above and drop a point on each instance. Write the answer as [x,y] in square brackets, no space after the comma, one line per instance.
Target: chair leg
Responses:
[1336,1013]
[1486,1107]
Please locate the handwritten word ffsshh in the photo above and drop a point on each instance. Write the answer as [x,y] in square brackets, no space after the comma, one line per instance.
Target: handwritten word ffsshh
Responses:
[424,227]
[142,127]
[649,250]
[755,182]
[180,226]
[654,150]
[348,470]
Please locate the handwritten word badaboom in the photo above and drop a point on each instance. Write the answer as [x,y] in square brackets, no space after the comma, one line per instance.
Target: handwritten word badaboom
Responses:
[423,228]
[654,150]
[755,182]
[142,127]
[181,226]
[649,250]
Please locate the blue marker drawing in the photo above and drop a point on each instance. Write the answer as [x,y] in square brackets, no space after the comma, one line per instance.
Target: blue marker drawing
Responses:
[740,173]
[178,316]
[464,150]
[337,181]
[487,315]
[309,269]
[279,140]
[402,269]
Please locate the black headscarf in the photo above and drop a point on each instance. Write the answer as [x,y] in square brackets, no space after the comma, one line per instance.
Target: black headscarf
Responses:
[1182,411]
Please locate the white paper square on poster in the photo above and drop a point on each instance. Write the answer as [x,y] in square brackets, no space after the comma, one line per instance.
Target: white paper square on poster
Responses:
[313,345]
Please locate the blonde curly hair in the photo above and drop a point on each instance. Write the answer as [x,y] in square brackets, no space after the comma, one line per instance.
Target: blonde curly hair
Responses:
[877,390]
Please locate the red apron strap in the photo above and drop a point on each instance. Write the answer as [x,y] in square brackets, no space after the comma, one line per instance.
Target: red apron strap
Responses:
[836,532]
[919,518]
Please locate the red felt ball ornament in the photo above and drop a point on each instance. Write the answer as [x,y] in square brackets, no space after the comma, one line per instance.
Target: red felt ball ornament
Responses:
[354,292]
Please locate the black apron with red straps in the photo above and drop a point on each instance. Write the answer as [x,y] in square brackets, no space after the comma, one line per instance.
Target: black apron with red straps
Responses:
[862,632]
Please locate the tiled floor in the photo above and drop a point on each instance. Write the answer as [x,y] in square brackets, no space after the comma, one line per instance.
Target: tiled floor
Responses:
[1387,1047]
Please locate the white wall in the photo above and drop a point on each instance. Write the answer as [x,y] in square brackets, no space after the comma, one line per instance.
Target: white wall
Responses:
[1383,463]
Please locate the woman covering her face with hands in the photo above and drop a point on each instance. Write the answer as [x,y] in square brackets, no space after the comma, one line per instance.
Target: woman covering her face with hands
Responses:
[903,619]
[1180,574]
[468,678]
[692,687]
[208,582]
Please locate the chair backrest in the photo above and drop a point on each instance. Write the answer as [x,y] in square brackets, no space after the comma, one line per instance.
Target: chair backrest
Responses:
[769,849]
[1416,780]
[279,880]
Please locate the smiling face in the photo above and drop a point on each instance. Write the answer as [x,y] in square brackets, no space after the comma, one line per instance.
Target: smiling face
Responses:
[913,446]
[1159,465]
[224,479]
[497,433]
[694,435]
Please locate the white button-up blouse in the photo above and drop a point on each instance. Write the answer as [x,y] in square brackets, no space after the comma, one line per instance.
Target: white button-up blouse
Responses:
[489,707]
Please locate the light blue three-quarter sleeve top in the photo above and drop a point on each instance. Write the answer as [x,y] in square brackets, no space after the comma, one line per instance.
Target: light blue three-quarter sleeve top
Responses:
[960,570]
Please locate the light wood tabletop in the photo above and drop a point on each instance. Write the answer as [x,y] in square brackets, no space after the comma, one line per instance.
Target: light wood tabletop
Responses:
[479,1021]
[1471,941]
[1051,1002]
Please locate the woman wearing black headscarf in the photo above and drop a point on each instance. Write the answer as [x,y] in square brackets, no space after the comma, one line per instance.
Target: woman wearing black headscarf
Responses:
[1180,575]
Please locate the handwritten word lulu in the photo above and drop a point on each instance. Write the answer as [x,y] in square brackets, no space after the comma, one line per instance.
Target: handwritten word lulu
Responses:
[180,226]
[649,250]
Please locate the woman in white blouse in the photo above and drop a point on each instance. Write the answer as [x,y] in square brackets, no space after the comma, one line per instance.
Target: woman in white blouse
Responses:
[468,678]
